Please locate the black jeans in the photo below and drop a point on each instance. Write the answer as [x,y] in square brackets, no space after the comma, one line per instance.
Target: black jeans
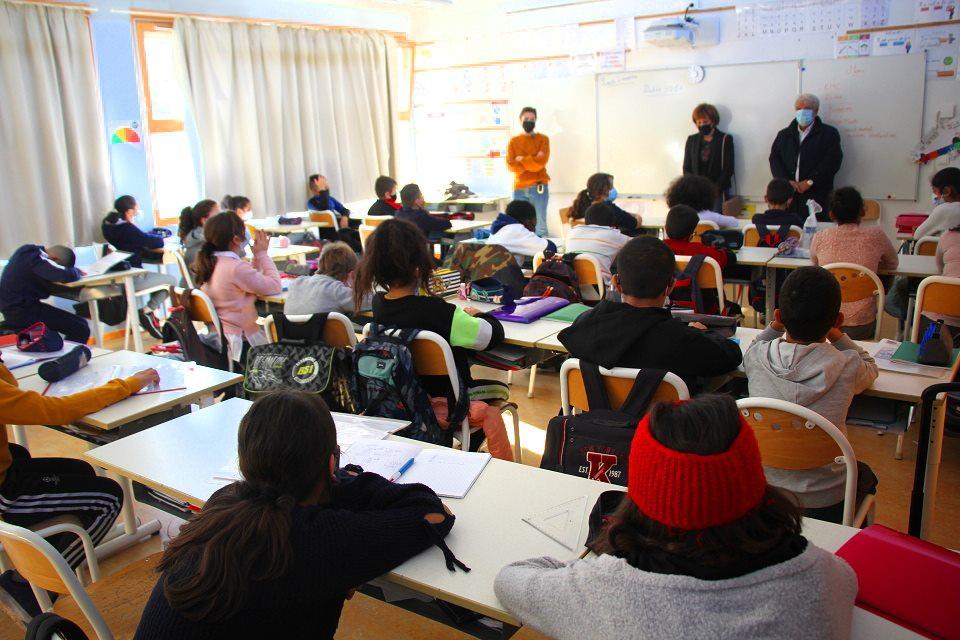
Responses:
[72,326]
[866,484]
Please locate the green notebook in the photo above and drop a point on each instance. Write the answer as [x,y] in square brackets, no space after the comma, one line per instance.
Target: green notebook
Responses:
[569,313]
[907,352]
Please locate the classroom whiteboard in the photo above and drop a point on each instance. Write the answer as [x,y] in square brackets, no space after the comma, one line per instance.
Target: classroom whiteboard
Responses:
[877,104]
[643,120]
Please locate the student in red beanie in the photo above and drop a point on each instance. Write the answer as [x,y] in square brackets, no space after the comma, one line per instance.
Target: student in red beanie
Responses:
[700,546]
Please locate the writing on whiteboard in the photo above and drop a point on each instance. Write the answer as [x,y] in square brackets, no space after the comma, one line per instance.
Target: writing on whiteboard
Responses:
[618,79]
[662,89]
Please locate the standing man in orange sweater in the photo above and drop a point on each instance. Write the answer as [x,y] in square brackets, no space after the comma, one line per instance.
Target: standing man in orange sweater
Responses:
[36,489]
[527,156]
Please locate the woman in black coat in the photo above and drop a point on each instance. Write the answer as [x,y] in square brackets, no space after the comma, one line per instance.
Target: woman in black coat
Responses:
[709,152]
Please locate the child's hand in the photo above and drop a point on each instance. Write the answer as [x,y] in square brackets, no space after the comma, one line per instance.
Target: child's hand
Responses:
[147,377]
[472,311]
[261,241]
[697,325]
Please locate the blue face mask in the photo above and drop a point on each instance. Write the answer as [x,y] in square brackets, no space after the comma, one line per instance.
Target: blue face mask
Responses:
[612,195]
[804,117]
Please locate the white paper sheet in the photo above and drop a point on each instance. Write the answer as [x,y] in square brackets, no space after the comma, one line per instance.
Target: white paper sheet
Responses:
[104,264]
[96,374]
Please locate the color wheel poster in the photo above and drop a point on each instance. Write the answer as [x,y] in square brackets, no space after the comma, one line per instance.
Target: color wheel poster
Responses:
[125,132]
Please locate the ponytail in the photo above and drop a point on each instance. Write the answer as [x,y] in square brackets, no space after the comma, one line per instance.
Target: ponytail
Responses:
[193,217]
[186,222]
[580,205]
[112,218]
[599,184]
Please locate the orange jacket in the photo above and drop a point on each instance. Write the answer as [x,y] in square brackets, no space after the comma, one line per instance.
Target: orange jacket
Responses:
[29,407]
[532,169]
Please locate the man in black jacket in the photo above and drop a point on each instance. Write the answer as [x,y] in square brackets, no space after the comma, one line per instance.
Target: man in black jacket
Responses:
[807,153]
[639,332]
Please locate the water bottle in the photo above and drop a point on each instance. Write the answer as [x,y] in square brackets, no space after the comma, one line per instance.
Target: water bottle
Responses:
[810,226]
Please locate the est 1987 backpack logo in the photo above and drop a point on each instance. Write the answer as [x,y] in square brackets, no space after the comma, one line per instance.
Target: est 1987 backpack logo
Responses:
[306,370]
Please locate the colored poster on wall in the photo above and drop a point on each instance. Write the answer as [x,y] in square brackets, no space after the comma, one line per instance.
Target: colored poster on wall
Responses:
[125,132]
[936,10]
[852,45]
[942,47]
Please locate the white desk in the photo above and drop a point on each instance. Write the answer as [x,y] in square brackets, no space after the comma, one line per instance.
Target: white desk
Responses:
[272,226]
[295,252]
[180,458]
[114,277]
[515,333]
[31,369]
[460,228]
[755,256]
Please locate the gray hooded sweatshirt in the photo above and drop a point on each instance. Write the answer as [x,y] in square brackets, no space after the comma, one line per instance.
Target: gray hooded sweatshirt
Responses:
[319,294]
[824,378]
[808,596]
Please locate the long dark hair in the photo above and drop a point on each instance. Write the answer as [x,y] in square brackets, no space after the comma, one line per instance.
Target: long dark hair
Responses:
[692,190]
[242,536]
[193,217]
[232,203]
[218,234]
[120,206]
[396,255]
[597,185]
[706,425]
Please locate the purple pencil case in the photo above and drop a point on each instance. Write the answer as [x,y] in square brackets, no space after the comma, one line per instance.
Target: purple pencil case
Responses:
[526,310]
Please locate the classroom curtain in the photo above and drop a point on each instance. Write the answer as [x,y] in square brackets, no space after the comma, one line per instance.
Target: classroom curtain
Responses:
[274,104]
[54,171]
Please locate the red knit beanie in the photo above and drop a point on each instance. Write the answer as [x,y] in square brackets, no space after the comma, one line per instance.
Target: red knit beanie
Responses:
[690,491]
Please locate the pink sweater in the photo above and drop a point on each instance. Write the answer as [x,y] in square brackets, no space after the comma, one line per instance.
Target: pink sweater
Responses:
[948,254]
[234,287]
[866,245]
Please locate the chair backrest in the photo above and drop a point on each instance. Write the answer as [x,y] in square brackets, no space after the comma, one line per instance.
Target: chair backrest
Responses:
[324,219]
[617,382]
[432,356]
[710,276]
[871,210]
[375,221]
[365,231]
[795,438]
[576,222]
[252,230]
[337,330]
[45,569]
[588,271]
[202,308]
[858,283]
[936,294]
[184,269]
[926,246]
[565,214]
[751,236]
[702,226]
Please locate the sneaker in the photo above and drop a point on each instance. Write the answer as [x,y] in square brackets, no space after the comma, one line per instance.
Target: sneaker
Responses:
[16,597]
[149,322]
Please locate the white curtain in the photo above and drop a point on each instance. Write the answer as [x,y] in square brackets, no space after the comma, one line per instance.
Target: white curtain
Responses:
[274,104]
[54,171]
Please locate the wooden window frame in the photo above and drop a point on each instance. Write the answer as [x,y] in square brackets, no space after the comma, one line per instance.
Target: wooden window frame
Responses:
[143,27]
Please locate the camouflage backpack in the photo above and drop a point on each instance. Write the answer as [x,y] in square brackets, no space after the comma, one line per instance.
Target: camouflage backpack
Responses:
[476,261]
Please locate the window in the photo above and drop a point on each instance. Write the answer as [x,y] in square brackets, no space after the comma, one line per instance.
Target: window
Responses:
[170,156]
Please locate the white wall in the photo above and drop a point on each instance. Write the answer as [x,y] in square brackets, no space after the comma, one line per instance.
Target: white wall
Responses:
[475,31]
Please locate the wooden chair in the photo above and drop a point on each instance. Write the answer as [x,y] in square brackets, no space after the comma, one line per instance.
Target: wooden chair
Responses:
[375,221]
[617,381]
[936,294]
[576,222]
[184,269]
[795,438]
[203,310]
[529,633]
[702,226]
[337,331]
[710,276]
[751,236]
[365,231]
[432,356]
[858,283]
[926,246]
[565,215]
[589,273]
[366,618]
[871,210]
[323,219]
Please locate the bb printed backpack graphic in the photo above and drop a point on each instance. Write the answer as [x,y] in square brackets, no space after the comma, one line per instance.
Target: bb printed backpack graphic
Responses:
[596,444]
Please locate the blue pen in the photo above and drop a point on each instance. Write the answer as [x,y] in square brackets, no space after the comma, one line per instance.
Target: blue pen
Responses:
[406,466]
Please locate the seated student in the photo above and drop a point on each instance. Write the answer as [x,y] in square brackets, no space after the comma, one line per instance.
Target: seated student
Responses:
[945,185]
[600,189]
[599,237]
[240,205]
[396,260]
[232,283]
[119,230]
[779,197]
[639,332]
[36,489]
[850,241]
[698,192]
[190,230]
[414,210]
[515,230]
[700,546]
[386,204]
[277,553]
[330,289]
[26,281]
[321,200]
[948,262]
[803,357]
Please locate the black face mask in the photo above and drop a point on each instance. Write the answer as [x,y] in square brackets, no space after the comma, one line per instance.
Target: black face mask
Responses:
[528,125]
[705,129]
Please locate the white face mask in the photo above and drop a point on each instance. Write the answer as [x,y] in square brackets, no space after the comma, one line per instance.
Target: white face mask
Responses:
[936,200]
[246,215]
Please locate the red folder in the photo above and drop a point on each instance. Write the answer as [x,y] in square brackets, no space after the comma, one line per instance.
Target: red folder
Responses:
[909,581]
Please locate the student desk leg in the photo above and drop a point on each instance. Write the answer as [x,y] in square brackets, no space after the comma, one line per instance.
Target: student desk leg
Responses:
[931,474]
[132,534]
[133,323]
[95,321]
[771,295]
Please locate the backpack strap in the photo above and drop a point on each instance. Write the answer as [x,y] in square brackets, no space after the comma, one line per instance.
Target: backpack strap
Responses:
[593,383]
[690,273]
[644,388]
[784,231]
[309,332]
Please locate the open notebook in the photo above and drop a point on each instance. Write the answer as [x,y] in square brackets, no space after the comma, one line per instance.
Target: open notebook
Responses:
[96,373]
[450,473]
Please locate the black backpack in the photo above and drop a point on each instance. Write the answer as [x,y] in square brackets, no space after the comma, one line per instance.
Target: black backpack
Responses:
[301,361]
[596,444]
[557,276]
[179,328]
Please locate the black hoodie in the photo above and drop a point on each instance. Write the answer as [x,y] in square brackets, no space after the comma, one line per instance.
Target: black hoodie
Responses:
[615,334]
